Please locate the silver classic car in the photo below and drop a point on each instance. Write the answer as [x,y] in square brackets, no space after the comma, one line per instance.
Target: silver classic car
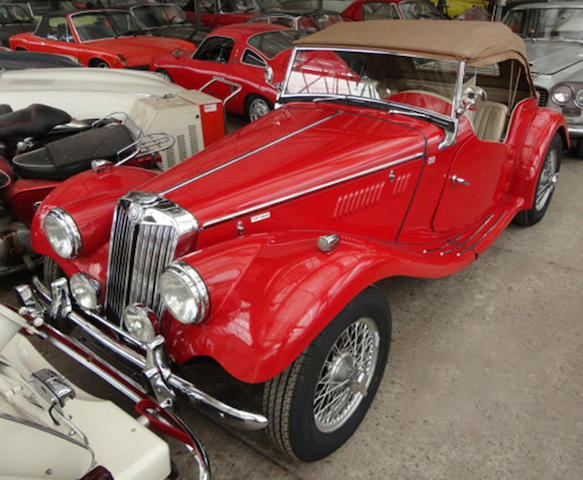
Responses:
[553,33]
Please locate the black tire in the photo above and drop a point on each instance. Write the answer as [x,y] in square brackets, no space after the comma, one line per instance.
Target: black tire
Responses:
[98,63]
[51,271]
[579,148]
[165,74]
[526,218]
[254,105]
[288,399]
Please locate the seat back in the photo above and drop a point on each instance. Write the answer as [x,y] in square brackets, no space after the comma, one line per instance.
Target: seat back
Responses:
[490,121]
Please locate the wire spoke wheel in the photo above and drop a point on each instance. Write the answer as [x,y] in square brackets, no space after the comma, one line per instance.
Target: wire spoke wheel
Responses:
[346,375]
[548,179]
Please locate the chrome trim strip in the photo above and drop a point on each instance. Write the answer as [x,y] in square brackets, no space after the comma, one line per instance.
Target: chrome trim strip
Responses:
[307,191]
[483,236]
[248,154]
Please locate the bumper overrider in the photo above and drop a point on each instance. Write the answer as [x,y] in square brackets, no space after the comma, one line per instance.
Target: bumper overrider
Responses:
[46,307]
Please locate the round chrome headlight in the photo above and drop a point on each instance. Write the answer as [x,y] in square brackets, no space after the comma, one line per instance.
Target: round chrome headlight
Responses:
[562,94]
[184,293]
[579,98]
[85,291]
[138,321]
[62,233]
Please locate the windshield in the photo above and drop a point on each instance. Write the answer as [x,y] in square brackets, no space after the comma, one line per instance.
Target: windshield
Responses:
[238,6]
[273,43]
[152,16]
[102,25]
[424,83]
[564,23]
[40,7]
[415,9]
[14,14]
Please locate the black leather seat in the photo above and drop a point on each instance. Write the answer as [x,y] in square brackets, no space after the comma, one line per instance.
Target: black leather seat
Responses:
[67,156]
[32,121]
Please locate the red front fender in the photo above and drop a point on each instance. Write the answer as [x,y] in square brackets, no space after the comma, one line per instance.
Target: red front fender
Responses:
[272,294]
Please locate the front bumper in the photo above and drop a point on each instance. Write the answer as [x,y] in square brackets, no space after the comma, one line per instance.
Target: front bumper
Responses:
[575,131]
[147,361]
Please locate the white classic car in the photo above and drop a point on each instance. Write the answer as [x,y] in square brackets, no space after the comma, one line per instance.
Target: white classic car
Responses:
[50,428]
[193,118]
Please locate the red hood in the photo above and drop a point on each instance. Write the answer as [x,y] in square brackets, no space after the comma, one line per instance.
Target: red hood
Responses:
[294,149]
[140,50]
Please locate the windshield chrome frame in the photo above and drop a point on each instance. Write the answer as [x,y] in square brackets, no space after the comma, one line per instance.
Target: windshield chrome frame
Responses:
[105,12]
[455,101]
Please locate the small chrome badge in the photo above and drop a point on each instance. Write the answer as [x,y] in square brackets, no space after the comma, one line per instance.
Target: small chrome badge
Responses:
[260,217]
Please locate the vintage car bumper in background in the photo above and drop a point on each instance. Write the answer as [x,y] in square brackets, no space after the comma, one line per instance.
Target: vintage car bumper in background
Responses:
[69,433]
[147,360]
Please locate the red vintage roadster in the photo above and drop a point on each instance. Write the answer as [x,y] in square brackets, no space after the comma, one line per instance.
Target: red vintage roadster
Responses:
[263,252]
[98,38]
[241,54]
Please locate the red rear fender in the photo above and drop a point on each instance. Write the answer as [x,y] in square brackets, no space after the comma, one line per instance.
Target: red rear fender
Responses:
[543,126]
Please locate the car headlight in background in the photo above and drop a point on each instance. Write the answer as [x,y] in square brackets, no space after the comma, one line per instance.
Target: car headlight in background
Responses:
[184,293]
[562,94]
[62,233]
[85,291]
[579,98]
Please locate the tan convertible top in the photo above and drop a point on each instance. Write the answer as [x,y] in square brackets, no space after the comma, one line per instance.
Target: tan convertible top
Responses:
[477,43]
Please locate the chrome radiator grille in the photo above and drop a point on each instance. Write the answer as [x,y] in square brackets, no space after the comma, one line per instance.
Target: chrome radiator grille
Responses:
[148,232]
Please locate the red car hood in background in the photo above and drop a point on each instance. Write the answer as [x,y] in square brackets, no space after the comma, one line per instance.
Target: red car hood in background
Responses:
[140,50]
[291,150]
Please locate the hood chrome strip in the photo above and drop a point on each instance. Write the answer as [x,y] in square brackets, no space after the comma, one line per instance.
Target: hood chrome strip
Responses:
[307,191]
[248,154]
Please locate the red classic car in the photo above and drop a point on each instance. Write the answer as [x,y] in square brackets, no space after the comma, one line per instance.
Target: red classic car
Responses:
[240,54]
[264,251]
[361,10]
[98,38]
[216,13]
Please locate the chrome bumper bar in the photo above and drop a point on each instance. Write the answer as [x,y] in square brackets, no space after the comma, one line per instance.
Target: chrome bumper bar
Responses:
[575,131]
[56,305]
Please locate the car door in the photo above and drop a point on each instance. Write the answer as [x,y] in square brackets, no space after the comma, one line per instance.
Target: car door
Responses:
[476,184]
[211,59]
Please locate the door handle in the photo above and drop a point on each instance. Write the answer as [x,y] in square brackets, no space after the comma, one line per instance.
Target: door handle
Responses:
[459,180]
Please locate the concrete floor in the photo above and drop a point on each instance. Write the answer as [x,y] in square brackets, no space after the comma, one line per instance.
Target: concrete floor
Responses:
[485,373]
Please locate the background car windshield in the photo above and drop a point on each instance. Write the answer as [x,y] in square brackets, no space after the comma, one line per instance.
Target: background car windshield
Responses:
[306,5]
[159,15]
[425,83]
[40,7]
[271,44]
[14,14]
[238,6]
[564,23]
[98,26]
[420,9]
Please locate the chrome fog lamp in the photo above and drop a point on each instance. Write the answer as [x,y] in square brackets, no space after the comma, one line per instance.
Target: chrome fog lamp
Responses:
[184,293]
[579,98]
[62,233]
[562,94]
[85,291]
[139,321]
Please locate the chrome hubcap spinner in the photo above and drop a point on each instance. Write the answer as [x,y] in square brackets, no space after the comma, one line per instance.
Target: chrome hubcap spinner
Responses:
[346,375]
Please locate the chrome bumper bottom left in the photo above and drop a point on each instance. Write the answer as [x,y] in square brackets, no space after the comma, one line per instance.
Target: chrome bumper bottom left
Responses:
[56,305]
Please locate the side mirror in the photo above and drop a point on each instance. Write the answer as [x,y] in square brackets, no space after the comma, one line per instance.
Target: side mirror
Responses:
[470,97]
[268,74]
